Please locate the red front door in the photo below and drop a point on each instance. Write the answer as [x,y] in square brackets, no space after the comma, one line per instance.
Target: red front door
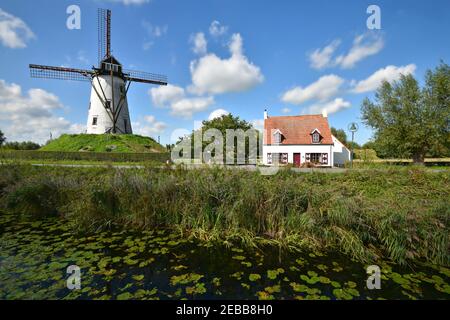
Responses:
[297,159]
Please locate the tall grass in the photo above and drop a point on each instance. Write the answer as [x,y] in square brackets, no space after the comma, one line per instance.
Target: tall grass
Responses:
[402,214]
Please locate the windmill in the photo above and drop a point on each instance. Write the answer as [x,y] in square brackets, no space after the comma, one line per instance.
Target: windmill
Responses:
[108,106]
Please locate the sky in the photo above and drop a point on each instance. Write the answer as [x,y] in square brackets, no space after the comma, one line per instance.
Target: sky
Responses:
[220,56]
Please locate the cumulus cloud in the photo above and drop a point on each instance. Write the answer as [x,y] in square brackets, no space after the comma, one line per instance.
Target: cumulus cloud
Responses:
[213,75]
[323,89]
[186,107]
[216,29]
[329,107]
[364,46]
[286,110]
[199,43]
[31,116]
[164,96]
[14,32]
[149,126]
[174,97]
[217,114]
[390,73]
[322,58]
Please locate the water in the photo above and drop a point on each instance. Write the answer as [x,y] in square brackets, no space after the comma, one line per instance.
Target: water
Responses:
[34,256]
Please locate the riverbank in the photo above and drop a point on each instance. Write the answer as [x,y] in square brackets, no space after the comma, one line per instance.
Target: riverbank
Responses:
[399,214]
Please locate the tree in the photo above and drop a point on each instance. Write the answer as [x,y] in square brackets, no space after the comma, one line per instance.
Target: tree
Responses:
[2,138]
[339,134]
[409,121]
[221,124]
[24,145]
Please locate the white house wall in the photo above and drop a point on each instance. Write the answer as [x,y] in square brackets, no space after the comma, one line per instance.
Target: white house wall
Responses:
[341,154]
[302,149]
[96,108]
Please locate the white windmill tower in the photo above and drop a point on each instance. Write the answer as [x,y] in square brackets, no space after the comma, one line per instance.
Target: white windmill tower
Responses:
[108,106]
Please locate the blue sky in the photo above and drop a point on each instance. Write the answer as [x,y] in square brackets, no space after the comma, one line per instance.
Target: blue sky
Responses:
[291,57]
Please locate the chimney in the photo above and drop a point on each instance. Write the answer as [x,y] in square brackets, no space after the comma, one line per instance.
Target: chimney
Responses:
[265,114]
[324,113]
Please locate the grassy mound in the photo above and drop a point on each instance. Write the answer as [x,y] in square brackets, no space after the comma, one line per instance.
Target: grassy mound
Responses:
[104,143]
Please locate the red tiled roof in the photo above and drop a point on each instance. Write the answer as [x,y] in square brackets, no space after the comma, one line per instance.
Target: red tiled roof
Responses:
[297,129]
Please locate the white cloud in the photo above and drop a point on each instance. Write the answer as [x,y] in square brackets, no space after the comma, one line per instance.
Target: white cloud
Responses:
[323,89]
[149,126]
[186,107]
[216,29]
[286,110]
[211,74]
[199,42]
[174,97]
[322,58]
[14,32]
[330,107]
[164,96]
[217,114]
[153,33]
[31,116]
[390,73]
[363,46]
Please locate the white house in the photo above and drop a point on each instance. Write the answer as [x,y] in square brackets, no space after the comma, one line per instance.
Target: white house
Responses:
[302,139]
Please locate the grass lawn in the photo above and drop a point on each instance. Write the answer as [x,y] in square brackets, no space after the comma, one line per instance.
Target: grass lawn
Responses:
[104,143]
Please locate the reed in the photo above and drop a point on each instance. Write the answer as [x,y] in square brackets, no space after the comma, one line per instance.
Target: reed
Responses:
[400,213]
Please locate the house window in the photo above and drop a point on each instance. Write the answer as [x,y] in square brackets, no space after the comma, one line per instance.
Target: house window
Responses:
[108,104]
[315,137]
[277,158]
[269,158]
[94,121]
[277,138]
[318,158]
[315,157]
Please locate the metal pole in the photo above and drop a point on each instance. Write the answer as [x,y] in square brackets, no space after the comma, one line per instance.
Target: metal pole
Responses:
[351,159]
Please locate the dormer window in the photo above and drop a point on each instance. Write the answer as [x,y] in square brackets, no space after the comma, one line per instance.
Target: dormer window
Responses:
[315,136]
[277,137]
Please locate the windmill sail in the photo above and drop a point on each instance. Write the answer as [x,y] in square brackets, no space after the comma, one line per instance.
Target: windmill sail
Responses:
[145,77]
[104,33]
[61,73]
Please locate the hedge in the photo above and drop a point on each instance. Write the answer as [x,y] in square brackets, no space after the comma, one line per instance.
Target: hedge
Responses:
[92,156]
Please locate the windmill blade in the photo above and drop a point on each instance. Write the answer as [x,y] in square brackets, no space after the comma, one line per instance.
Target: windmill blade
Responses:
[145,77]
[104,33]
[50,72]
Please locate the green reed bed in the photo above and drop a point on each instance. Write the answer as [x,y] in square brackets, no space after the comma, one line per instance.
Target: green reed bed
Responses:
[400,214]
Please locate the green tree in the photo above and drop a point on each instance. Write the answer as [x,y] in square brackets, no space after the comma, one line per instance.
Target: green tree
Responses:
[24,145]
[223,123]
[2,138]
[409,121]
[339,134]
